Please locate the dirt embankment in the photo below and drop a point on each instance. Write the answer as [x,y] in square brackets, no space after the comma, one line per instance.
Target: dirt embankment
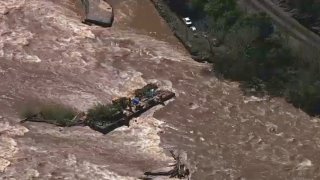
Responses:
[47,54]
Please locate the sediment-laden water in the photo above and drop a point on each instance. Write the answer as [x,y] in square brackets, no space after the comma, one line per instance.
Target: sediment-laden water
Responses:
[46,54]
[228,135]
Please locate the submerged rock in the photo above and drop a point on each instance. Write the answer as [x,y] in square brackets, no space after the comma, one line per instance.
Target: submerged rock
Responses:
[98,12]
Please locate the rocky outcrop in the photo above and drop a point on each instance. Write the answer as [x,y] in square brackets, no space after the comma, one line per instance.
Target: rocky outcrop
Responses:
[97,12]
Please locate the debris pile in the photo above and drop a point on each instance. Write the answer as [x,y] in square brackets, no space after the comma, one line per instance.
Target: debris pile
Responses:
[105,117]
[180,169]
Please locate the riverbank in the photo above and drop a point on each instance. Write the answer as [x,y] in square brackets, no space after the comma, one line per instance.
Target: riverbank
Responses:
[195,42]
[252,46]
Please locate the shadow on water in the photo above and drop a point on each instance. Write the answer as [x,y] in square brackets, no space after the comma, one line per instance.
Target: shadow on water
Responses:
[145,19]
[184,9]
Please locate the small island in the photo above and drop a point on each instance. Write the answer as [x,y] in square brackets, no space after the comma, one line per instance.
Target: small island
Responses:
[103,117]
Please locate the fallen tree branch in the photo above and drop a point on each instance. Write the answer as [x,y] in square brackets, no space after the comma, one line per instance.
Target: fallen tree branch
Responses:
[180,169]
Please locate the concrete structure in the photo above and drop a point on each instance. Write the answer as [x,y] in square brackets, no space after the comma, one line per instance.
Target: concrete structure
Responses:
[97,12]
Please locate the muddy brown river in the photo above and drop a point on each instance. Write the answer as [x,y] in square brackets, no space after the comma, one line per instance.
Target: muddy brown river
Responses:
[145,19]
[47,54]
[226,134]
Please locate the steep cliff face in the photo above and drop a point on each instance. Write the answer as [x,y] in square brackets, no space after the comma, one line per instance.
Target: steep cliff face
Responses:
[47,54]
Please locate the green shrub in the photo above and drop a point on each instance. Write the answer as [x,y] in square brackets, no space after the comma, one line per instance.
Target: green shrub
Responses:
[101,113]
[57,112]
[28,112]
[123,102]
[52,113]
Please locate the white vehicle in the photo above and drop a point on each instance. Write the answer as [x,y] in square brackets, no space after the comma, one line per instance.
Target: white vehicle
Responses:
[193,28]
[187,21]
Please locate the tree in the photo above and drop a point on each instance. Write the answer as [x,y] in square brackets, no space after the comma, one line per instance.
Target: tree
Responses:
[218,8]
[199,3]
[261,21]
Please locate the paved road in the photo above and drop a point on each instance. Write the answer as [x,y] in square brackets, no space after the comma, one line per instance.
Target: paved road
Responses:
[286,22]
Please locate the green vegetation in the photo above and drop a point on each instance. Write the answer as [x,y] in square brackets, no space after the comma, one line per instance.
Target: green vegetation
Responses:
[310,6]
[51,113]
[61,114]
[260,57]
[28,112]
[122,102]
[307,12]
[102,117]
[102,114]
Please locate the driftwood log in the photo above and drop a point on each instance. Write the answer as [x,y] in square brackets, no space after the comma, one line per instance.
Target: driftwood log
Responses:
[78,120]
[179,170]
